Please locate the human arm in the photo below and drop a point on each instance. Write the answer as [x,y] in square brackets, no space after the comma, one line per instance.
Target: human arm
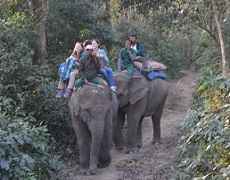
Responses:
[119,61]
[103,55]
[132,54]
[140,49]
[97,64]
[72,57]
[81,69]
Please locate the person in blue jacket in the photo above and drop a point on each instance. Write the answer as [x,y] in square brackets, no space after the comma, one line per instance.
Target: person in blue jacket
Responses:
[106,72]
[73,66]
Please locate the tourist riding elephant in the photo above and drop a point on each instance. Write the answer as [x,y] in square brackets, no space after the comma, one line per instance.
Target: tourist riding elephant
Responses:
[138,98]
[93,109]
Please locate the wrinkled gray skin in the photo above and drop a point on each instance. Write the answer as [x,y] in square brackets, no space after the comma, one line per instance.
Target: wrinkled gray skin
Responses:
[93,110]
[137,99]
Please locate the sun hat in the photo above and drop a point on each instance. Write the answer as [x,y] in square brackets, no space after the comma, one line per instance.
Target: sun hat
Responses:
[89,47]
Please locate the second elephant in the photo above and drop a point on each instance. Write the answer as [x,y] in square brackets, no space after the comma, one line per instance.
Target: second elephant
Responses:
[138,98]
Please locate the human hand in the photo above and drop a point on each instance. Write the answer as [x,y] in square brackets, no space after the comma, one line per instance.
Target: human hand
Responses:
[94,54]
[71,57]
[86,81]
[101,55]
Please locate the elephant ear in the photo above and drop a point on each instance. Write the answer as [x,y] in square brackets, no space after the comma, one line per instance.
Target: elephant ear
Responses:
[74,104]
[137,89]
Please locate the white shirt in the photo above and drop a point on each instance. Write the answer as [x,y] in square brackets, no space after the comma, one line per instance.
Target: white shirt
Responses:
[134,47]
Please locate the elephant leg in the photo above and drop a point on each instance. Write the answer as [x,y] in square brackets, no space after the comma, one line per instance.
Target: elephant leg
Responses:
[97,131]
[133,121]
[139,133]
[84,141]
[104,154]
[156,119]
[117,131]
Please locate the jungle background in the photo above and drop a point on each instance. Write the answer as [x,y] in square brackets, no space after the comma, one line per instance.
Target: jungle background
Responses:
[36,36]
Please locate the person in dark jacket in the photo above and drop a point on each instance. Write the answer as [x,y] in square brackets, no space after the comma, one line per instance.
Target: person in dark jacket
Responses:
[140,52]
[137,46]
[88,68]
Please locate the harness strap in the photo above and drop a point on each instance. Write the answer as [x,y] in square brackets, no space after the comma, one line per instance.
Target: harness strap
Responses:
[151,92]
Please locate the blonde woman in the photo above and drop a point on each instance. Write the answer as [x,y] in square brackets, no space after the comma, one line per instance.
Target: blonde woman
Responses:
[78,53]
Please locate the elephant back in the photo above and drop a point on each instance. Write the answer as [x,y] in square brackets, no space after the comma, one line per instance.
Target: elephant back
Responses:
[96,94]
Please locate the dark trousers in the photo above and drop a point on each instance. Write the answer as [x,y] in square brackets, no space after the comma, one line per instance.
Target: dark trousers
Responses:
[95,80]
[144,62]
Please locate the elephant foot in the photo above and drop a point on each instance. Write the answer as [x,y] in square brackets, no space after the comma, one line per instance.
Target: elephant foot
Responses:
[93,169]
[104,164]
[85,172]
[156,142]
[119,143]
[131,150]
[119,148]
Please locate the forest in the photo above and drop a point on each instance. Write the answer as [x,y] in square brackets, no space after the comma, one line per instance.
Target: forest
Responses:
[36,36]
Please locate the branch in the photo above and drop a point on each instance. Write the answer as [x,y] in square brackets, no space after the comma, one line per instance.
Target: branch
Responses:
[212,35]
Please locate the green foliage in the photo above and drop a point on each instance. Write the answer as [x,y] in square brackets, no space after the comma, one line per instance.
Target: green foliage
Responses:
[30,87]
[204,149]
[25,149]
[69,22]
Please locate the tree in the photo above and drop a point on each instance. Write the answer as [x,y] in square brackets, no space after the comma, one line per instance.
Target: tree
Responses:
[39,13]
[207,15]
[225,68]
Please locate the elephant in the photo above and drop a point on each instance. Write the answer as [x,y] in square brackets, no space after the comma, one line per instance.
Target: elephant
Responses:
[138,98]
[93,109]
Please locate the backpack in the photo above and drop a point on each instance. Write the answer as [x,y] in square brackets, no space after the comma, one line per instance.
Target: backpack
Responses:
[64,69]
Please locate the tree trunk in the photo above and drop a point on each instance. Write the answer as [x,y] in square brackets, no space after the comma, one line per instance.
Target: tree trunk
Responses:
[189,49]
[39,28]
[183,49]
[225,68]
[107,9]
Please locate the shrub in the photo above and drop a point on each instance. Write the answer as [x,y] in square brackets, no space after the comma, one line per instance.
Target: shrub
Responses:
[204,149]
[25,149]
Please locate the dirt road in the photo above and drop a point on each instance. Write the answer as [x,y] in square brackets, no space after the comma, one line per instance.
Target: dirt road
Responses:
[152,161]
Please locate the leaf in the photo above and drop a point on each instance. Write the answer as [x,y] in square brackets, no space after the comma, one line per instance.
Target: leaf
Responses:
[202,87]
[4,165]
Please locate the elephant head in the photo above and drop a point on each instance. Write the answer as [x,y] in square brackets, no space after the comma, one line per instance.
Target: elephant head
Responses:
[130,89]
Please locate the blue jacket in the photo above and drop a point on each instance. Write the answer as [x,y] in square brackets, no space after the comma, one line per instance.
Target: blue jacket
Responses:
[106,59]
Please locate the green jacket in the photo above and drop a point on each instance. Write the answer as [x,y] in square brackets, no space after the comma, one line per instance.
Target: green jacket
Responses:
[125,58]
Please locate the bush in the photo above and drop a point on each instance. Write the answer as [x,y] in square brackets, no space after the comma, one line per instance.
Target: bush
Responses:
[25,149]
[204,149]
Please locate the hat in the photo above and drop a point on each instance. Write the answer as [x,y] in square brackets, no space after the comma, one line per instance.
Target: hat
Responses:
[89,47]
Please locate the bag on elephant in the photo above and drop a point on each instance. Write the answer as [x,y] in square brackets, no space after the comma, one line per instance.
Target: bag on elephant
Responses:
[64,69]
[153,74]
[151,65]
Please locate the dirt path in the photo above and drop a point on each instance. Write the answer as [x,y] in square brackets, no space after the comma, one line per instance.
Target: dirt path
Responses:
[152,161]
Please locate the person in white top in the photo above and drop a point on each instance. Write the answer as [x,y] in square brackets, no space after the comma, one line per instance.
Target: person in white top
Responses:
[140,50]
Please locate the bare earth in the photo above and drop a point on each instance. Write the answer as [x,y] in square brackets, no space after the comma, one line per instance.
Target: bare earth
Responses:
[152,161]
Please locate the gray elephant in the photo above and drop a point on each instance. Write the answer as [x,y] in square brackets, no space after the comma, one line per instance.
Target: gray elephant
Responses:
[138,98]
[93,109]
